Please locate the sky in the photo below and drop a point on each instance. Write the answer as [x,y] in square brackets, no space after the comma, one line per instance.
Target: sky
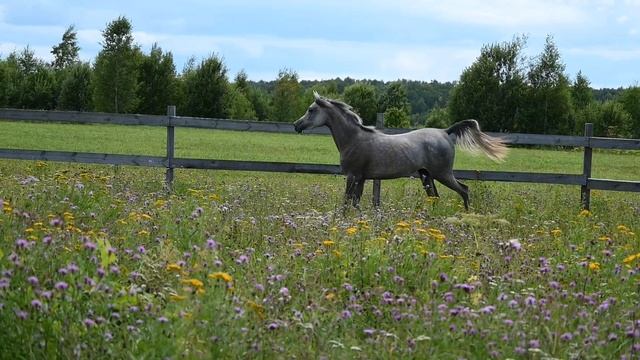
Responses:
[324,39]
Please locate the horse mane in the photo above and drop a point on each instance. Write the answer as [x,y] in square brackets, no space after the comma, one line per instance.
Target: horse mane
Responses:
[348,113]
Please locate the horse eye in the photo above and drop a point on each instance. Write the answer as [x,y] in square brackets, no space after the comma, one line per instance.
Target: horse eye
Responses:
[311,110]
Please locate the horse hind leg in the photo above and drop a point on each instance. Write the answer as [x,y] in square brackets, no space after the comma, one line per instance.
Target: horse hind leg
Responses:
[450,181]
[427,183]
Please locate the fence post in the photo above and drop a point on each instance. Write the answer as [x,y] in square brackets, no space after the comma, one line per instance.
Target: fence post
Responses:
[586,167]
[168,179]
[377,183]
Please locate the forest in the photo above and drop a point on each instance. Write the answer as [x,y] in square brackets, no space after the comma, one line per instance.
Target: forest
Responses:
[503,89]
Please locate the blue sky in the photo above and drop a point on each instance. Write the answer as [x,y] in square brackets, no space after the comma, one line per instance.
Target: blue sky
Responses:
[385,40]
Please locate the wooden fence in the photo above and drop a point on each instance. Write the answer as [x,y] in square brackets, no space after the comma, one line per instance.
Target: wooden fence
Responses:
[170,162]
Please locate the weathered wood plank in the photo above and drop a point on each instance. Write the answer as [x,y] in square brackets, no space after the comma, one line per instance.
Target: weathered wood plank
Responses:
[77,117]
[240,125]
[256,166]
[507,176]
[611,143]
[614,185]
[80,157]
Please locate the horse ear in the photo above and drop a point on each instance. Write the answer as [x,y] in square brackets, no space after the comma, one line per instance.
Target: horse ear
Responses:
[320,100]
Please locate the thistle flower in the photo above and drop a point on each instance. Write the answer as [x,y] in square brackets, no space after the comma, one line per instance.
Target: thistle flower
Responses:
[61,286]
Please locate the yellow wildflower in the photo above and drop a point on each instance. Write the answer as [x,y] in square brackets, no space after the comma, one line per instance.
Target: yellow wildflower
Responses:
[556,232]
[176,297]
[630,258]
[594,266]
[330,296]
[328,243]
[143,233]
[160,203]
[146,216]
[402,225]
[584,213]
[337,253]
[257,308]
[622,228]
[351,231]
[193,282]
[221,276]
[174,267]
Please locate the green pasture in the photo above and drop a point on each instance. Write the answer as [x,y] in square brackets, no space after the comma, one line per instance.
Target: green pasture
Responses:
[101,262]
[216,144]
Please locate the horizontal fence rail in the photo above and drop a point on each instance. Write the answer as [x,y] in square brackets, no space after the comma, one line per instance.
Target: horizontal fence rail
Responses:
[170,121]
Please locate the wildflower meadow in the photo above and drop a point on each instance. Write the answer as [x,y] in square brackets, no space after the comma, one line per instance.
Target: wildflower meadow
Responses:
[103,262]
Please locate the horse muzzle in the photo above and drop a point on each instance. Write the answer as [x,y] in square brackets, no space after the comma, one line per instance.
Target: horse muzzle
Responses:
[298,126]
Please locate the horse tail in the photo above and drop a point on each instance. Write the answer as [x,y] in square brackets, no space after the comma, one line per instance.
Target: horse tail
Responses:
[469,137]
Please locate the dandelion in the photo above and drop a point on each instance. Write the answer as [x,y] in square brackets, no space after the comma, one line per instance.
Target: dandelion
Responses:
[176,297]
[224,277]
[403,226]
[584,213]
[174,267]
[631,258]
[328,243]
[193,283]
[594,266]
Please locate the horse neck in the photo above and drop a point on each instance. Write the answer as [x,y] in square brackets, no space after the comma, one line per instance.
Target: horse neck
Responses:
[344,132]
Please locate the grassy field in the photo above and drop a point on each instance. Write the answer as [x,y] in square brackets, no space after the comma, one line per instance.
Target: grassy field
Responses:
[100,262]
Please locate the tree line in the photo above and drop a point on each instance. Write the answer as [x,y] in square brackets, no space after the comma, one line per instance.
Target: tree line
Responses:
[503,89]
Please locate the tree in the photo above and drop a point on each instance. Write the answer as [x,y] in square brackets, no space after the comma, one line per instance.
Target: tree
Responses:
[239,106]
[630,100]
[115,72]
[491,90]
[66,52]
[581,93]
[395,105]
[362,97]
[206,86]
[157,82]
[438,118]
[76,90]
[549,97]
[608,118]
[287,95]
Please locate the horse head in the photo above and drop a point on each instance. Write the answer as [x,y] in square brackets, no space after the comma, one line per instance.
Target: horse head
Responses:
[316,115]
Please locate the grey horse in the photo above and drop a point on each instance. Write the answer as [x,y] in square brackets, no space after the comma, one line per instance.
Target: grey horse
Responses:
[366,153]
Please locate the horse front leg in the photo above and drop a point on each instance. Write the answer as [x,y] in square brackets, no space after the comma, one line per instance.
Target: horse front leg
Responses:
[349,191]
[357,194]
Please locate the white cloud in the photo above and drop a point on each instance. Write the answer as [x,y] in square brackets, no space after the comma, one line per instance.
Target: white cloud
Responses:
[495,13]
[607,53]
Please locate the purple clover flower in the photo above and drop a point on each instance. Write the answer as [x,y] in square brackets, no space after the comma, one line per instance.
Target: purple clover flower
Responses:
[61,286]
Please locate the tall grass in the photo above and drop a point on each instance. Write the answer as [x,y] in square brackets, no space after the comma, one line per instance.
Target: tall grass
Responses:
[101,262]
